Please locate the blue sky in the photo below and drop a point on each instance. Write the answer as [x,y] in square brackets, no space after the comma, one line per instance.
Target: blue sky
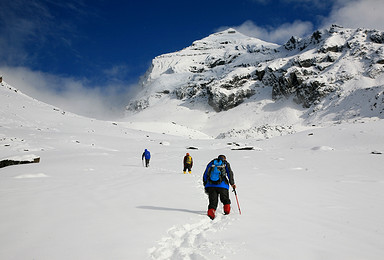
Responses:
[104,45]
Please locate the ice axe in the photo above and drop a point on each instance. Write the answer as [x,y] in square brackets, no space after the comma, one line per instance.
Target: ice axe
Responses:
[237,200]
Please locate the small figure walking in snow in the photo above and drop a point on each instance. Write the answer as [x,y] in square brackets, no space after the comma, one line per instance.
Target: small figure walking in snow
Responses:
[147,156]
[188,163]
[217,177]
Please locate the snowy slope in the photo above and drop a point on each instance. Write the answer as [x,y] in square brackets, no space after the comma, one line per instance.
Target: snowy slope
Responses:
[317,194]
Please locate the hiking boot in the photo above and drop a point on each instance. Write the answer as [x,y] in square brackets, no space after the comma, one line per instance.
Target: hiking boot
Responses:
[184,172]
[227,209]
[189,172]
[211,213]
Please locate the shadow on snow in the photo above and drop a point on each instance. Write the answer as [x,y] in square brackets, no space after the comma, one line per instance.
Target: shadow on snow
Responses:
[172,209]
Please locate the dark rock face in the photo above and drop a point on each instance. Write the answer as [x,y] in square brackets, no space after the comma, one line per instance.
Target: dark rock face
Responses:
[138,105]
[221,102]
[7,162]
[376,36]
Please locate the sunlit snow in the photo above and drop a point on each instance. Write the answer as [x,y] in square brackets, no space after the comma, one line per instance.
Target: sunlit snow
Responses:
[314,194]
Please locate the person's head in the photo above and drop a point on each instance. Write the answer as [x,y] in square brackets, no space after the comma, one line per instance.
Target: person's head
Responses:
[187,154]
[145,150]
[222,157]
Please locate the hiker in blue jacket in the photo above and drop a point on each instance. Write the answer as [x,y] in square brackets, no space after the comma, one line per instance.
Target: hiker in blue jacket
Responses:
[147,156]
[217,177]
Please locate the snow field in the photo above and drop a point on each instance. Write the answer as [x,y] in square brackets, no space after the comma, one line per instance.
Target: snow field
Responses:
[316,194]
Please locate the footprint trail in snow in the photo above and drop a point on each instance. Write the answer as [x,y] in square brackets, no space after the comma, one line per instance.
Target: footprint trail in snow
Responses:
[190,241]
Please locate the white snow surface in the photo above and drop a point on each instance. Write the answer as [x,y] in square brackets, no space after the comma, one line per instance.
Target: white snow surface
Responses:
[314,194]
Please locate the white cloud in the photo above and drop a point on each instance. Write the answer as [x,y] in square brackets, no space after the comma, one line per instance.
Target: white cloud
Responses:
[280,34]
[357,14]
[115,72]
[102,102]
[285,31]
[347,13]
[29,25]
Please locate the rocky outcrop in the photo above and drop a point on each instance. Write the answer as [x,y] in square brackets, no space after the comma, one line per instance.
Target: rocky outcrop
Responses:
[321,64]
[17,161]
[260,132]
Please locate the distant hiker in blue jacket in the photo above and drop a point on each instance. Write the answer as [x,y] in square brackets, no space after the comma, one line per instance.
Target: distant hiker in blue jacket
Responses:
[147,156]
[217,177]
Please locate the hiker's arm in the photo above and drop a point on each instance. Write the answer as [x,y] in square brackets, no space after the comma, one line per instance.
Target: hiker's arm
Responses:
[230,174]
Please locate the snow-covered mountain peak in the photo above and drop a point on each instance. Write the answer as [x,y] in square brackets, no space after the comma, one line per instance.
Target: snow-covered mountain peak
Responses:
[219,59]
[223,36]
[227,38]
[203,55]
[228,71]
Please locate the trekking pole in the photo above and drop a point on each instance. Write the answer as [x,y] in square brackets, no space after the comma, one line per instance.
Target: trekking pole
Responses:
[238,205]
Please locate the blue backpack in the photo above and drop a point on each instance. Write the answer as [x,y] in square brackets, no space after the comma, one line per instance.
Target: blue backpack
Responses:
[216,173]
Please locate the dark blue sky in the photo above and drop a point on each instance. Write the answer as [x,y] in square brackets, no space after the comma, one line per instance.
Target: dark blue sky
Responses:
[103,41]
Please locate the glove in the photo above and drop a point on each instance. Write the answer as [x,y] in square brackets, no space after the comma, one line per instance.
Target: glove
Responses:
[234,186]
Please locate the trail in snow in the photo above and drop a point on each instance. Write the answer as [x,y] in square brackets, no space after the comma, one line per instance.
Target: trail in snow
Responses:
[191,241]
[194,240]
